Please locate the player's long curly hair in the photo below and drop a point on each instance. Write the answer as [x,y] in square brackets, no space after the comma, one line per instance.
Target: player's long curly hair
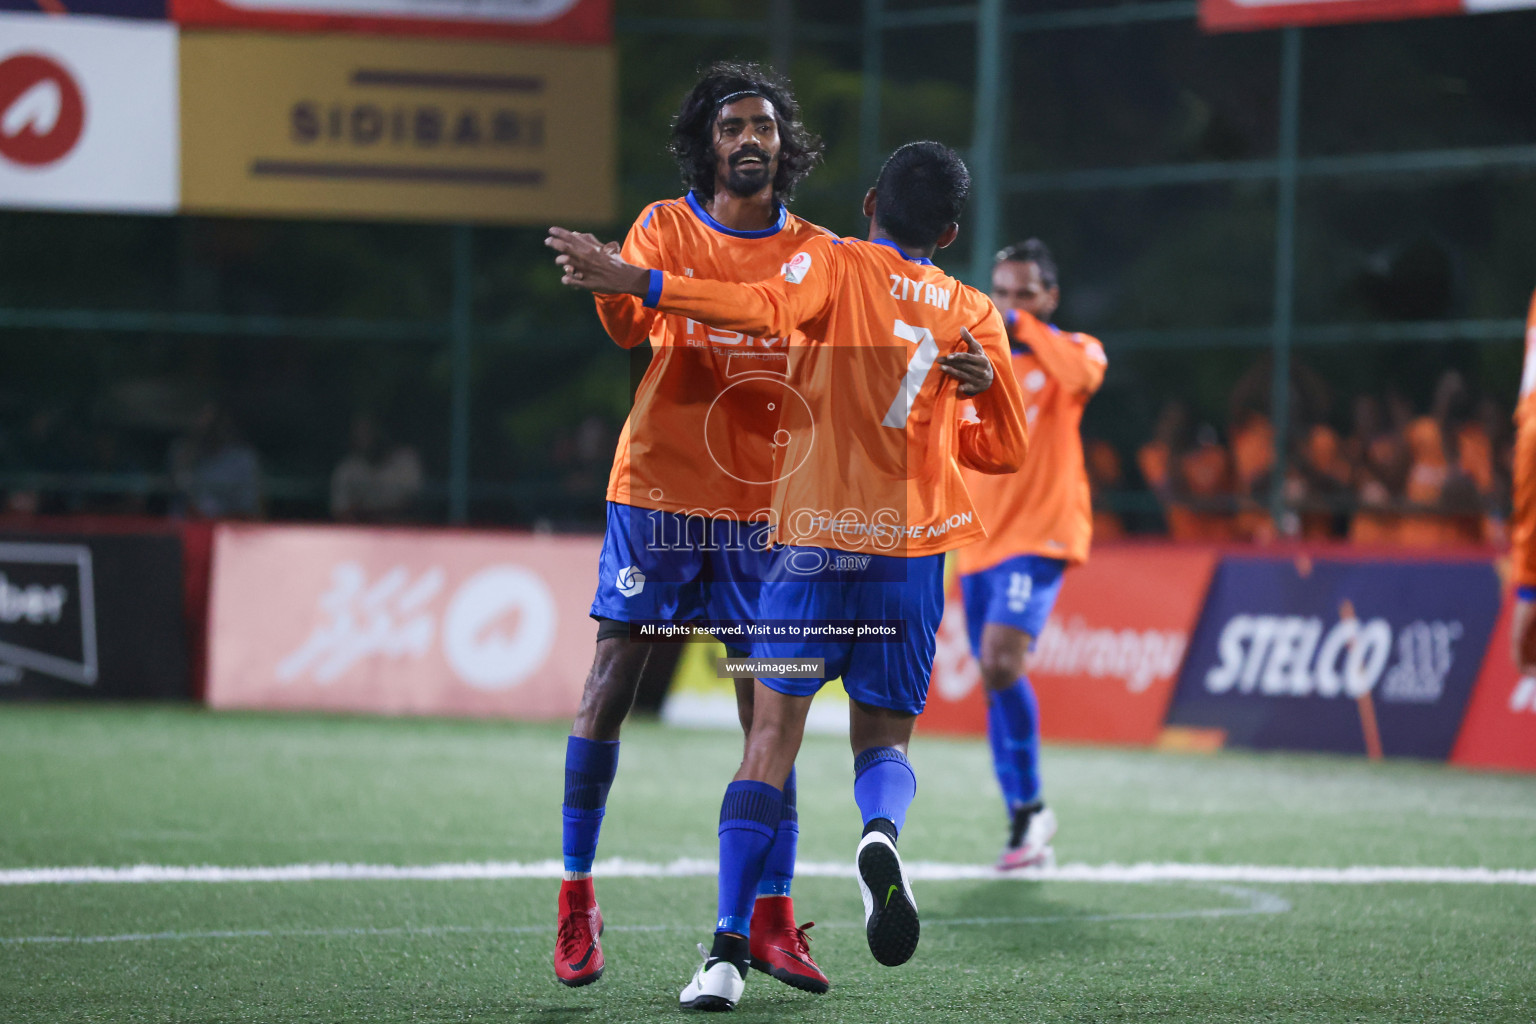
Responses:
[693,129]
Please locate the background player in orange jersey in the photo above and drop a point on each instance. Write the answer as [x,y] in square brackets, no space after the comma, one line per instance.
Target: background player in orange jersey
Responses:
[1039,521]
[684,538]
[882,448]
[1522,520]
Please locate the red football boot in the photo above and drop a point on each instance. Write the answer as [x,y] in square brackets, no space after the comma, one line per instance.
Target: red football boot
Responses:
[578,954]
[779,946]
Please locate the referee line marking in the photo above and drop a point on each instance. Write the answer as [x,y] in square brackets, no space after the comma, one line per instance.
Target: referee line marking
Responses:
[927,871]
[1255,902]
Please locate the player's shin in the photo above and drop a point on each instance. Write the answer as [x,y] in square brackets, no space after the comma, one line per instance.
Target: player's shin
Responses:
[884,786]
[590,766]
[749,819]
[1018,715]
[779,867]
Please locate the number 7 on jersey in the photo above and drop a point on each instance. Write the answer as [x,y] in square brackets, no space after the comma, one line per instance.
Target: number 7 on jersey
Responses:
[917,371]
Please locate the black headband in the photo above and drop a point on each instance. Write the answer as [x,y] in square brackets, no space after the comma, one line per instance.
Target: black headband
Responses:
[743,94]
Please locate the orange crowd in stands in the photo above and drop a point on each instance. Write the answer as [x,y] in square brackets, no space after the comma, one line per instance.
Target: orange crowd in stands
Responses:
[1397,477]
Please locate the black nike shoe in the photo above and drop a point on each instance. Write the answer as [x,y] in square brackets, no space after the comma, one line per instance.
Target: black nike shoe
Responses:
[890,912]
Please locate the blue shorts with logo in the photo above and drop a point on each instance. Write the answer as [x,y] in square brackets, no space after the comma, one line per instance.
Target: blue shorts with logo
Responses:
[807,586]
[1019,592]
[665,566]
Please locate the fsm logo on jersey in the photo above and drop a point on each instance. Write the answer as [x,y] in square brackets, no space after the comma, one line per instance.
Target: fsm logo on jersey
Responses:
[1353,656]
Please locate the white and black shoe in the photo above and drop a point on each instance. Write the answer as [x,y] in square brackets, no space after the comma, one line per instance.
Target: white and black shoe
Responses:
[716,985]
[890,912]
[1029,840]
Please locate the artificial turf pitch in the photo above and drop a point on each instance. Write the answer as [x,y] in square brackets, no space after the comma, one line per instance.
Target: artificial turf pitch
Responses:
[122,786]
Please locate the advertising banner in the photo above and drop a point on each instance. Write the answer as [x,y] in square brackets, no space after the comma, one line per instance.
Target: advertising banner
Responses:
[1229,15]
[85,616]
[1349,656]
[1499,730]
[563,21]
[88,114]
[155,9]
[400,621]
[1105,664]
[337,126]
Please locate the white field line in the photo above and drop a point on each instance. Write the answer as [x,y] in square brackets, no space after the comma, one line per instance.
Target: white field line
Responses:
[1254,903]
[696,868]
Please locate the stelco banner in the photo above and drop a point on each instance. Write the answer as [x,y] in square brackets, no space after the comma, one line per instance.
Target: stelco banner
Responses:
[88,115]
[400,621]
[282,125]
[1355,657]
[91,617]
[1227,15]
[568,21]
[1105,664]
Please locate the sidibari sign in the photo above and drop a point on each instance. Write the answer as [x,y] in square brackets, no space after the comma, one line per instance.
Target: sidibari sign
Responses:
[391,128]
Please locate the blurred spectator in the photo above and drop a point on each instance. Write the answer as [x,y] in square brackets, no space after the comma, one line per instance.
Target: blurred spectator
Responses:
[52,441]
[1318,483]
[1193,482]
[1444,503]
[376,482]
[1379,462]
[1104,476]
[215,474]
[1253,463]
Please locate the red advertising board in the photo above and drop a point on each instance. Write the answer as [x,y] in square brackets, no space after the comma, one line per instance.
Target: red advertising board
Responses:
[1499,728]
[1105,665]
[563,21]
[1231,15]
[399,621]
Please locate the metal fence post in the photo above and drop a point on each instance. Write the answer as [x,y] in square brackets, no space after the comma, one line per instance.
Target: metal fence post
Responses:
[1285,261]
[461,340]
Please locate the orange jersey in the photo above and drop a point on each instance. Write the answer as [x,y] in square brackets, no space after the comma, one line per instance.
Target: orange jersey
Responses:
[1045,508]
[678,450]
[869,444]
[1522,521]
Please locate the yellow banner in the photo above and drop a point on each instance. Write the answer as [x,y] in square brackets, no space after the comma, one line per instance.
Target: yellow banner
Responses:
[396,129]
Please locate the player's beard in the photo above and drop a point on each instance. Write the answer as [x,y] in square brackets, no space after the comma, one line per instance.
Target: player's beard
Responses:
[746,181]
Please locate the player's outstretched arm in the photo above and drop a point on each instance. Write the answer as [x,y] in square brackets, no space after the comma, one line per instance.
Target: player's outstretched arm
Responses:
[588,263]
[1075,360]
[998,442]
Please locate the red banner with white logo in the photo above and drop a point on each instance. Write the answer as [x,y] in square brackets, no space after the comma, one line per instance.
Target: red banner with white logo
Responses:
[1499,729]
[400,621]
[560,21]
[1105,665]
[1234,15]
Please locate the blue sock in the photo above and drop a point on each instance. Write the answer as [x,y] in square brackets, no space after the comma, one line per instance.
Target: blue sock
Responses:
[590,766]
[749,817]
[1002,757]
[883,785]
[1016,717]
[779,869]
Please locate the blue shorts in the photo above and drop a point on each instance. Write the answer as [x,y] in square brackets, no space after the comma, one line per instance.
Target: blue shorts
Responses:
[812,587]
[1019,592]
[668,567]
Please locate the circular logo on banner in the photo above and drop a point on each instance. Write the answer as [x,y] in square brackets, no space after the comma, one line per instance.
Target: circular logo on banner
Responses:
[42,112]
[486,654]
